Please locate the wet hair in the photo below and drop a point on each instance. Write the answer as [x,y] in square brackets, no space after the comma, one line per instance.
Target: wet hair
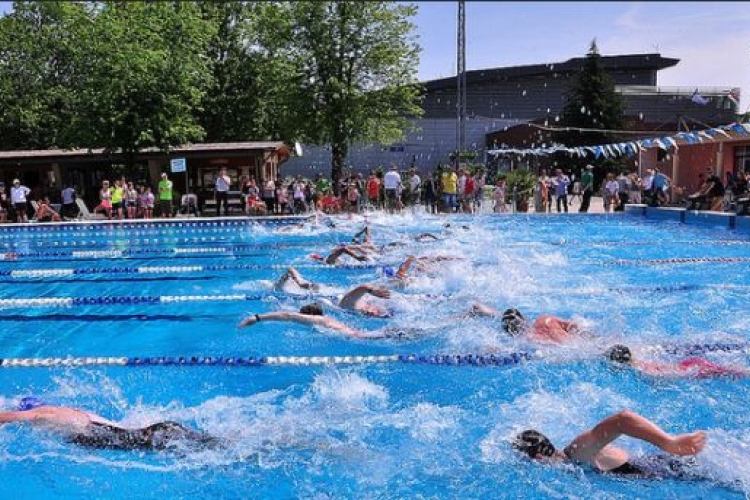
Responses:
[620,354]
[513,321]
[313,309]
[534,443]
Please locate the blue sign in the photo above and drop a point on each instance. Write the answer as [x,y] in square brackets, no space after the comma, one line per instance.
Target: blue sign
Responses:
[178,165]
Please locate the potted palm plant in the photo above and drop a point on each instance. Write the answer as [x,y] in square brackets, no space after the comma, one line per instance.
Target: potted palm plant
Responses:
[522,182]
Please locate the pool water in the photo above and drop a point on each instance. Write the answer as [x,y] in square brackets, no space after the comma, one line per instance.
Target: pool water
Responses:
[386,430]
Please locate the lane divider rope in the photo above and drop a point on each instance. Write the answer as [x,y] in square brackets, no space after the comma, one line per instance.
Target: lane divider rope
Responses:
[676,260]
[510,359]
[449,359]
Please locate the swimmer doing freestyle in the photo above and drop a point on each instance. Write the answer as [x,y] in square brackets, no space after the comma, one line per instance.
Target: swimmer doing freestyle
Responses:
[545,329]
[692,367]
[89,430]
[594,448]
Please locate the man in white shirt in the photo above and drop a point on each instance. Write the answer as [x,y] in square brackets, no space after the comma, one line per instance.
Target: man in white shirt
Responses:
[391,182]
[18,194]
[221,191]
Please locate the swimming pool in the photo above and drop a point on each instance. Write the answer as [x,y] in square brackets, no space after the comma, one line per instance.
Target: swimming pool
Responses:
[389,429]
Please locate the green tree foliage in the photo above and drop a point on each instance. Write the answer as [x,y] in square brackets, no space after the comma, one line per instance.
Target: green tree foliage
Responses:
[38,49]
[142,75]
[592,102]
[357,73]
[127,75]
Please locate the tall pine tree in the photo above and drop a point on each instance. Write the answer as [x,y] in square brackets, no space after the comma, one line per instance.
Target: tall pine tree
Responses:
[592,103]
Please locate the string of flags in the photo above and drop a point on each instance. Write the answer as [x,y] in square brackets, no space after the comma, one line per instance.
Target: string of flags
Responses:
[631,148]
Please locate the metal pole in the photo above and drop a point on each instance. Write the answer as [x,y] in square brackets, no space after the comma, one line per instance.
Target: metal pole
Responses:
[461,82]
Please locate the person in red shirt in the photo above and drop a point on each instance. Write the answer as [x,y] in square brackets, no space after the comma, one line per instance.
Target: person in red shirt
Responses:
[373,189]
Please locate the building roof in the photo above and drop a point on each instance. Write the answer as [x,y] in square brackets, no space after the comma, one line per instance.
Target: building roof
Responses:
[652,62]
[190,148]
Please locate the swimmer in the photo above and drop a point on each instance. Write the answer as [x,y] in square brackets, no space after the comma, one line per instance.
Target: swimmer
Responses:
[693,367]
[352,300]
[312,315]
[546,328]
[422,264]
[362,253]
[593,447]
[93,431]
[291,274]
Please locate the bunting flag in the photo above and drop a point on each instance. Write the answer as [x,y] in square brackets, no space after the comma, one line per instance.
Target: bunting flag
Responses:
[698,99]
[665,143]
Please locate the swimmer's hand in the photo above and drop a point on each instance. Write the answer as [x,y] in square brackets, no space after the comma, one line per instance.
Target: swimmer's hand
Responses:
[686,444]
[380,292]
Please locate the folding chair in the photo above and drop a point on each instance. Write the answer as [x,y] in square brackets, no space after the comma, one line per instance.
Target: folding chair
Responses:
[83,212]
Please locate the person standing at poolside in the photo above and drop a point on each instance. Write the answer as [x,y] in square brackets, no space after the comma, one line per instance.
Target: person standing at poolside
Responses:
[116,194]
[587,188]
[165,196]
[18,194]
[105,200]
[561,183]
[221,191]
[449,188]
[392,182]
[610,192]
[68,197]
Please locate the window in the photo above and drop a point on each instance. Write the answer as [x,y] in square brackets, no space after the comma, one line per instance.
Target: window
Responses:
[742,158]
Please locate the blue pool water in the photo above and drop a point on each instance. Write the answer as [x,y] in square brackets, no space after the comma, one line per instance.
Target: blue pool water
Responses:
[386,430]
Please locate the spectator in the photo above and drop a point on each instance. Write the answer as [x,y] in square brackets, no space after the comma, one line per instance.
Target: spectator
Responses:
[105,200]
[541,193]
[269,195]
[69,209]
[373,190]
[561,183]
[623,191]
[660,188]
[45,212]
[587,188]
[147,202]
[3,204]
[449,187]
[415,186]
[479,181]
[221,191]
[610,192]
[165,196]
[298,195]
[635,188]
[710,194]
[431,193]
[648,186]
[498,195]
[18,194]
[392,182]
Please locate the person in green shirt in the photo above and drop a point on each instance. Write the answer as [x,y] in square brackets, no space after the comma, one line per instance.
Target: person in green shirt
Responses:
[587,188]
[116,193]
[165,196]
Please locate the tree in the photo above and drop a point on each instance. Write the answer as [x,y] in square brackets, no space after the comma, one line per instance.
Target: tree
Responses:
[355,70]
[142,74]
[592,102]
[37,59]
[251,74]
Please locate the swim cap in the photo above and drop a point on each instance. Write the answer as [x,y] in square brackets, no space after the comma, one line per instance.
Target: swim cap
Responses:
[388,271]
[29,403]
[620,354]
[513,321]
[534,443]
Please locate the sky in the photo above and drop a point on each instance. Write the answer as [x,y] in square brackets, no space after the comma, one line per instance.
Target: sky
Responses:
[711,39]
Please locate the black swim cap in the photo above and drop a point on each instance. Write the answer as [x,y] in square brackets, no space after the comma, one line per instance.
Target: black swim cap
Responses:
[313,309]
[620,354]
[513,321]
[534,443]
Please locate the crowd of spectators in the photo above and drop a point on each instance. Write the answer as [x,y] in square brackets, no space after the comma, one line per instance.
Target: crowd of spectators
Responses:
[447,189]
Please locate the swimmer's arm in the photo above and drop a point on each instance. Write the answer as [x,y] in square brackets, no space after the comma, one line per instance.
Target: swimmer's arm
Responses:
[347,330]
[479,309]
[586,446]
[7,417]
[353,296]
[282,316]
[403,269]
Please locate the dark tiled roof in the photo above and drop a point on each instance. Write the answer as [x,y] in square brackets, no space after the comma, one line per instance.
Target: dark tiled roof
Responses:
[641,62]
[191,148]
